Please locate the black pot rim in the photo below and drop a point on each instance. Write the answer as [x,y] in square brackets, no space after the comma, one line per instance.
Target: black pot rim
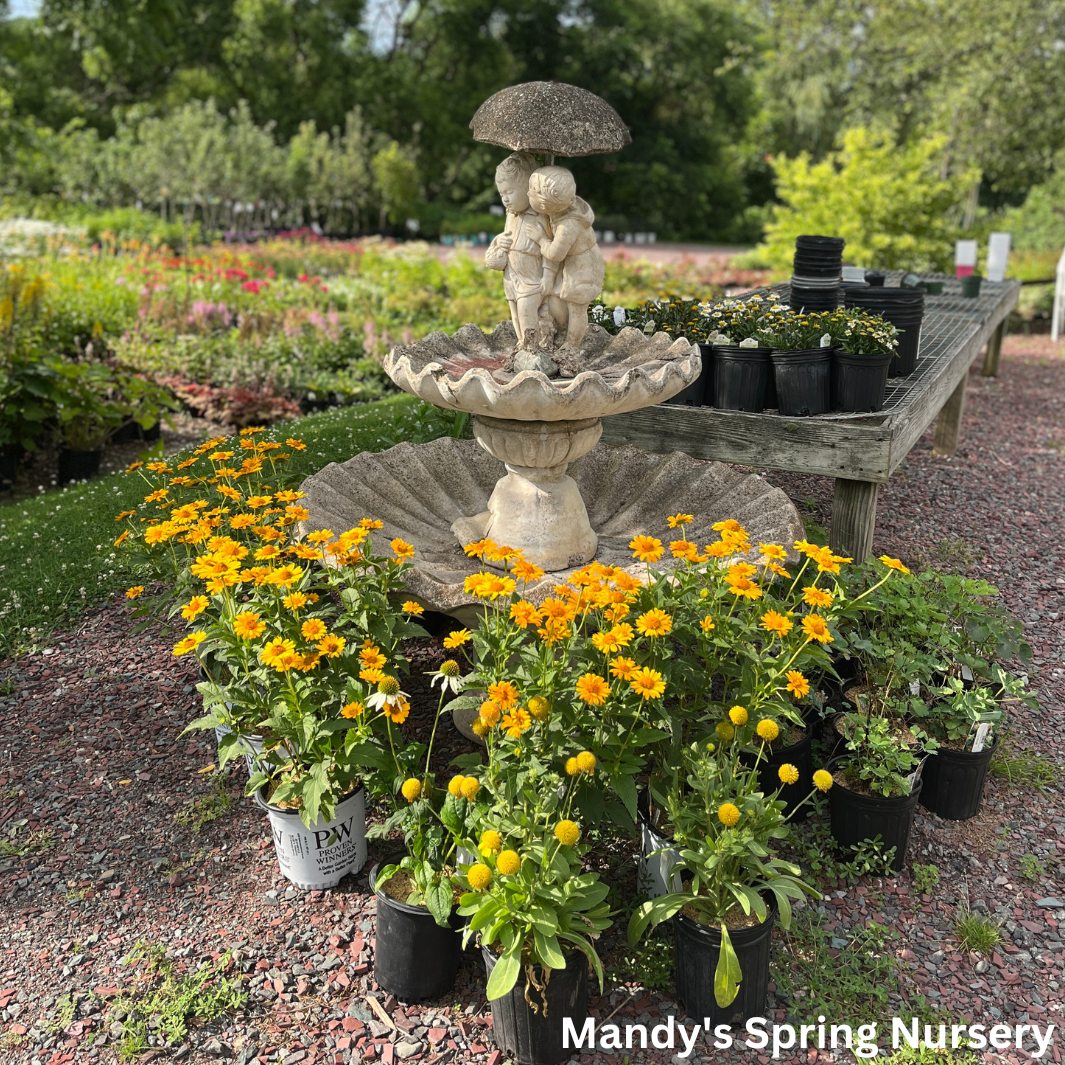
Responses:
[963,756]
[804,354]
[734,351]
[738,936]
[395,904]
[881,358]
[898,800]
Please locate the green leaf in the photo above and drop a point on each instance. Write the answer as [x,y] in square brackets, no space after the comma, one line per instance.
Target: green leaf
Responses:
[728,975]
[505,973]
[438,899]
[548,950]
[625,786]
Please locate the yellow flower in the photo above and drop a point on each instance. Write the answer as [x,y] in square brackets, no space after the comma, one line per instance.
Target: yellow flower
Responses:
[508,862]
[491,842]
[646,548]
[276,652]
[743,586]
[526,572]
[773,621]
[454,786]
[567,833]
[539,707]
[623,668]
[189,643]
[352,710]
[414,608]
[738,716]
[122,539]
[132,593]
[679,519]
[707,623]
[402,550]
[516,722]
[371,523]
[586,762]
[773,551]
[728,814]
[822,780]
[788,774]
[490,712]
[470,787]
[296,600]
[813,596]
[798,685]
[397,711]
[724,730]
[768,729]
[194,607]
[571,767]
[648,683]
[504,693]
[457,639]
[816,628]
[332,645]
[893,563]
[248,625]
[479,728]
[411,789]
[479,876]
[524,614]
[592,689]
[654,623]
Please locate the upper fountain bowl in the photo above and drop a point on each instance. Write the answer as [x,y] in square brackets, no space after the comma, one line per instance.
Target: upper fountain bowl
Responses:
[466,372]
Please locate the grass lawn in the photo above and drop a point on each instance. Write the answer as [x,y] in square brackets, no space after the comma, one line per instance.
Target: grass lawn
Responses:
[56,554]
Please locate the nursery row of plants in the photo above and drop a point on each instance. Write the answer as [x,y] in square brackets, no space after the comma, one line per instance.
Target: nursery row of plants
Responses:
[674,700]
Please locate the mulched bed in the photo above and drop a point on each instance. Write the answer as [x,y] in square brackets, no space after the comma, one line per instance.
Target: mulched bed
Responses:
[91,755]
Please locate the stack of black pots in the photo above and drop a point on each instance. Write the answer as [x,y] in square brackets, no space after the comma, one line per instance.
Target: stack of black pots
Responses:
[816,273]
[904,309]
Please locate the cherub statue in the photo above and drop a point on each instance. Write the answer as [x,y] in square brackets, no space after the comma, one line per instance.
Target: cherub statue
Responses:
[516,251]
[573,265]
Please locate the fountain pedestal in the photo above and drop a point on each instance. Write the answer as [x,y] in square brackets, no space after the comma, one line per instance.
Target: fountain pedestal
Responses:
[536,505]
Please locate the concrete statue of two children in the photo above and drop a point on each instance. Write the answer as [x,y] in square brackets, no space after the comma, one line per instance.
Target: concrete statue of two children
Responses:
[552,266]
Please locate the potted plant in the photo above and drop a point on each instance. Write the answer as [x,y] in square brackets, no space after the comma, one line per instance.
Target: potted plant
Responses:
[801,354]
[419,943]
[743,375]
[87,415]
[863,346]
[734,887]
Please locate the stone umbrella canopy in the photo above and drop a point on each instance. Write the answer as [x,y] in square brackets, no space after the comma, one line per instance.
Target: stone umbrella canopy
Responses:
[550,118]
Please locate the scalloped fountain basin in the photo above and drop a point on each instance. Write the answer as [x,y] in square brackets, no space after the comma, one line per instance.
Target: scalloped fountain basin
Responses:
[536,424]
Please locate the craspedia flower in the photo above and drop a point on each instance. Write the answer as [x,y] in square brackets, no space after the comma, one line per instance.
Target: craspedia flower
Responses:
[470,787]
[411,789]
[728,814]
[571,767]
[724,730]
[539,708]
[738,716]
[508,862]
[454,786]
[479,876]
[450,668]
[788,774]
[491,842]
[586,762]
[768,729]
[567,833]
[480,729]
[822,780]
[490,712]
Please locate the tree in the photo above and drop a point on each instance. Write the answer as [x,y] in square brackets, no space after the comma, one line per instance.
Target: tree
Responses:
[396,174]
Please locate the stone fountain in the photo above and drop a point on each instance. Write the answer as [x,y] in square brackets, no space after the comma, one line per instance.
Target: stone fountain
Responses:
[535,476]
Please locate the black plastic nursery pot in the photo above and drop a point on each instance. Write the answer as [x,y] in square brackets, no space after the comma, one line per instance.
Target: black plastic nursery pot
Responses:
[798,754]
[697,950]
[741,377]
[78,465]
[535,1038]
[695,394]
[803,380]
[859,382]
[954,782]
[856,818]
[414,958]
[904,309]
[970,286]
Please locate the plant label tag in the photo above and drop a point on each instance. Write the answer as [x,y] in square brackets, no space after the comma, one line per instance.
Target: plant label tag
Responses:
[826,340]
[915,687]
[854,274]
[981,736]
[966,673]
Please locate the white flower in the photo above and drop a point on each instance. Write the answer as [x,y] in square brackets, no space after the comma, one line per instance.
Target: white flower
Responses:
[619,316]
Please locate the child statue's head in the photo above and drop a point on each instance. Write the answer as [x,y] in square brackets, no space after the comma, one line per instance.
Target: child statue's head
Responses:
[552,190]
[512,180]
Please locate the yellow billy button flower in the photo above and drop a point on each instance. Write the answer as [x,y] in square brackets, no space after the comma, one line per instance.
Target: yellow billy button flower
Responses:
[724,730]
[738,716]
[788,774]
[586,762]
[571,767]
[508,862]
[567,833]
[728,814]
[411,789]
[470,787]
[454,786]
[136,590]
[479,729]
[822,780]
[479,876]
[491,842]
[768,729]
[539,707]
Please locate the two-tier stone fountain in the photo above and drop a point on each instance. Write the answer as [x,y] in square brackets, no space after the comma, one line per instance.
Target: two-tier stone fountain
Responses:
[535,477]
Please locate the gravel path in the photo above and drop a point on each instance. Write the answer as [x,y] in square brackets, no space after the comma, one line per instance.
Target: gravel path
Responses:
[93,771]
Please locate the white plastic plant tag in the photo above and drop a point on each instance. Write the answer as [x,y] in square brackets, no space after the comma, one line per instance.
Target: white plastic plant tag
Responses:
[966,673]
[826,340]
[981,736]
[619,316]
[915,687]
[750,342]
[854,274]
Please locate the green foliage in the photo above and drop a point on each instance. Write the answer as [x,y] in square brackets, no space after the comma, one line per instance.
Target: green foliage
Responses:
[1039,223]
[822,856]
[976,933]
[650,963]
[1023,767]
[17,845]
[884,754]
[201,810]
[888,200]
[1031,867]
[925,878]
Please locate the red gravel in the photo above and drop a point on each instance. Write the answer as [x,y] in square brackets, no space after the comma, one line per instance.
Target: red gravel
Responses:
[91,755]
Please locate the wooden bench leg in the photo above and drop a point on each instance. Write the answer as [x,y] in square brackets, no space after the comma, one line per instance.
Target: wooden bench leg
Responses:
[994,350]
[948,425]
[853,518]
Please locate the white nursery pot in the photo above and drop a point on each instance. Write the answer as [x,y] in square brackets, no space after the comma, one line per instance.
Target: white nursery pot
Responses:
[655,874]
[319,857]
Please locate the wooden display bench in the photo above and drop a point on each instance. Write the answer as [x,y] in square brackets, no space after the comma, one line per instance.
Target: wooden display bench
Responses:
[861,451]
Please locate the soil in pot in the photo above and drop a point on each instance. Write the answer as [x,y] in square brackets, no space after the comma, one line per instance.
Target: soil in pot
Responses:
[793,747]
[414,958]
[954,782]
[741,376]
[698,947]
[859,382]
[535,1038]
[856,818]
[803,380]
[78,465]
